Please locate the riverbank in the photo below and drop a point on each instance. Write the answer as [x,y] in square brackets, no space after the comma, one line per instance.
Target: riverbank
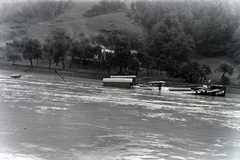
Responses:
[99,75]
[80,73]
[90,73]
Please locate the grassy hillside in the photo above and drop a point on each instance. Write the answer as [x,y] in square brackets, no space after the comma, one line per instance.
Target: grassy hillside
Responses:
[73,22]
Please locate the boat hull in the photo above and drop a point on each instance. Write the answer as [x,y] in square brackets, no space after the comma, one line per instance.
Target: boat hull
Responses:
[211,91]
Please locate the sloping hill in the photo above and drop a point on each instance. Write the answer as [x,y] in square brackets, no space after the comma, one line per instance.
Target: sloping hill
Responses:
[73,22]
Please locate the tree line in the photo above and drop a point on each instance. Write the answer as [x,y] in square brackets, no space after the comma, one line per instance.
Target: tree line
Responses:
[82,50]
[127,53]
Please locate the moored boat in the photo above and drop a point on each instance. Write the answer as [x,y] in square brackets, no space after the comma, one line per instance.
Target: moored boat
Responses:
[211,90]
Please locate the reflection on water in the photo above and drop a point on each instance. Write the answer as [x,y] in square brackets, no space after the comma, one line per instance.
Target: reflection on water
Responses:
[43,118]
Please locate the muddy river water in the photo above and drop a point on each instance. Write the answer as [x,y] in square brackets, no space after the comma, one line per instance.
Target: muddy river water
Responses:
[44,118]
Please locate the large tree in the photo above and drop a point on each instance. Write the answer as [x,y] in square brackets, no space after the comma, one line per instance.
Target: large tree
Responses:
[225,67]
[32,49]
[109,60]
[61,44]
[146,62]
[190,71]
[134,64]
[122,53]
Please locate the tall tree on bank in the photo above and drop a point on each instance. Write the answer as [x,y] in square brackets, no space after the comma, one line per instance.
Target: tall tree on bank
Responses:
[122,52]
[225,67]
[31,49]
[190,71]
[134,64]
[109,61]
[146,62]
[75,50]
[61,45]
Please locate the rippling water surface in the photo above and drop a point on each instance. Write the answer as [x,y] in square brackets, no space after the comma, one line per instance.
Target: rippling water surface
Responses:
[43,118]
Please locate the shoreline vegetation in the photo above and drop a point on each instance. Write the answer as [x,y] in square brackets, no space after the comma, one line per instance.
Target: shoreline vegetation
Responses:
[89,73]
[99,75]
